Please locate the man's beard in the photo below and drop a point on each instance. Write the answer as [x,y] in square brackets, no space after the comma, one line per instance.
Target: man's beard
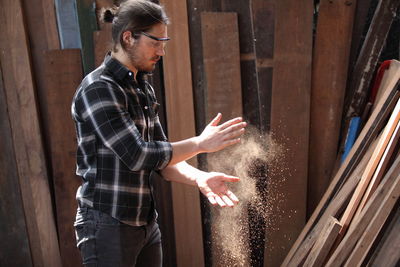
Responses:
[138,61]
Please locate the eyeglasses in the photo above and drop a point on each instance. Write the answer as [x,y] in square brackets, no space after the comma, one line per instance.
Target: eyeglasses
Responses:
[155,38]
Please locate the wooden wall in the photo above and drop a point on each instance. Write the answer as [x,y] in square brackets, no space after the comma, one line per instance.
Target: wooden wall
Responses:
[254,58]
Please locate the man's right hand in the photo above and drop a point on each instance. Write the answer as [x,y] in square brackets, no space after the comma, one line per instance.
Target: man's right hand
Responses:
[216,137]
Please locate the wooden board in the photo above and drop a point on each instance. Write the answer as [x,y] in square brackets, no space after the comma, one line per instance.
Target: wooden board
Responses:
[360,19]
[388,252]
[380,204]
[290,112]
[180,120]
[67,23]
[60,88]
[370,169]
[256,83]
[102,44]
[323,245]
[381,168]
[221,59]
[391,76]
[14,247]
[29,154]
[367,135]
[87,21]
[368,58]
[162,188]
[328,86]
[335,207]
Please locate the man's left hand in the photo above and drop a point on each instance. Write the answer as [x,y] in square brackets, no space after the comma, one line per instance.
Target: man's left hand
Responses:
[213,186]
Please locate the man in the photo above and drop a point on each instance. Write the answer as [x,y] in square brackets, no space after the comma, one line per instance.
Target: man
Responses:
[120,142]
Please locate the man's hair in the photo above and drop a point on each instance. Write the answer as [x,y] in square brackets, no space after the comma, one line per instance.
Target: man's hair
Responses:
[135,16]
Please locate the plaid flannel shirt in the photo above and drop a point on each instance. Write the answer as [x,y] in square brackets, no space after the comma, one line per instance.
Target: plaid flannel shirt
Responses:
[120,142]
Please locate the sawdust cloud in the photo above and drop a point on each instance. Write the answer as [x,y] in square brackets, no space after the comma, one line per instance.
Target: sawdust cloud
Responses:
[255,160]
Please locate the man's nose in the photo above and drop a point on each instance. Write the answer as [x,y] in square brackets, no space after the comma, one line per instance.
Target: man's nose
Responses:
[161,52]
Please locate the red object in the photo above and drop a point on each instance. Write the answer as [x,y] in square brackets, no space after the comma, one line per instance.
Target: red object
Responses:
[378,78]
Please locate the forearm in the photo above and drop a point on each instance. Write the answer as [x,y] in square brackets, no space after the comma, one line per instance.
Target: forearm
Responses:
[184,150]
[182,172]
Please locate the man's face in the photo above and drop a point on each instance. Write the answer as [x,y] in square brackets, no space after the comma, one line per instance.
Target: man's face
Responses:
[145,52]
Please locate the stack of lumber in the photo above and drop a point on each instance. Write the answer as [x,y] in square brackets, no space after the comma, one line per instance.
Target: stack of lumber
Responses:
[355,222]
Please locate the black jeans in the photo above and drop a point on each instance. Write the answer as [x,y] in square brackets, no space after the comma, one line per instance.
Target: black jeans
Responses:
[105,241]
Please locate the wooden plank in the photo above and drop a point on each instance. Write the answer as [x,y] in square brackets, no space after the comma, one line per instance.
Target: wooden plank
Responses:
[335,207]
[360,19]
[324,243]
[369,56]
[195,7]
[60,88]
[256,29]
[67,23]
[381,168]
[290,112]
[388,253]
[102,44]
[20,97]
[162,188]
[391,76]
[381,202]
[87,21]
[13,232]
[180,120]
[365,242]
[370,169]
[221,59]
[329,76]
[41,25]
[369,132]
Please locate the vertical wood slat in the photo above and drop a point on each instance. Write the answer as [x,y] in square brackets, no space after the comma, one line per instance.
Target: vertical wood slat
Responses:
[20,97]
[263,23]
[59,90]
[251,98]
[221,64]
[290,111]
[329,75]
[221,59]
[369,56]
[102,44]
[14,244]
[180,120]
[87,21]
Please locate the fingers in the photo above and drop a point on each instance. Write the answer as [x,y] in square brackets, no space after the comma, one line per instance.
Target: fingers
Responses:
[232,196]
[224,200]
[230,178]
[216,120]
[233,121]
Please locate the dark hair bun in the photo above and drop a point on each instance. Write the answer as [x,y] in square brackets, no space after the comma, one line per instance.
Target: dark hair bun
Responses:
[108,15]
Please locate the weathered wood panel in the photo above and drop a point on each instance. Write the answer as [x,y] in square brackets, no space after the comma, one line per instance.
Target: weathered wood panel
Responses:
[290,112]
[14,246]
[20,97]
[220,43]
[181,125]
[328,86]
[60,88]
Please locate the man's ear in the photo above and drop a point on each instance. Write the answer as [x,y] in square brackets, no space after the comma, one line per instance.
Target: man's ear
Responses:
[127,38]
